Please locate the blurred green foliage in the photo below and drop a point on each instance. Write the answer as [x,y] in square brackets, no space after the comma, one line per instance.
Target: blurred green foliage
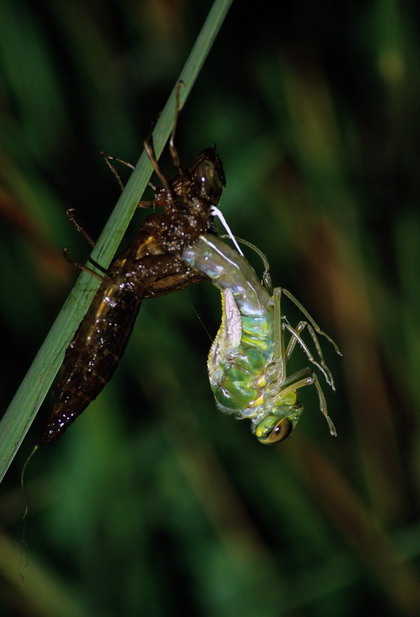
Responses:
[153,502]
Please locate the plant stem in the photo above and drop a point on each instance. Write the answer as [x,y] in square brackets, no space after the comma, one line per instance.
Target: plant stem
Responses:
[34,387]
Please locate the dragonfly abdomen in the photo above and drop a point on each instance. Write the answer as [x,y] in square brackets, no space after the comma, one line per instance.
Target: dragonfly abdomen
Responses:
[243,347]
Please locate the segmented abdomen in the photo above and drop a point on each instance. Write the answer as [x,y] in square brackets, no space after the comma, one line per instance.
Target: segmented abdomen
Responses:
[95,351]
[229,270]
[243,347]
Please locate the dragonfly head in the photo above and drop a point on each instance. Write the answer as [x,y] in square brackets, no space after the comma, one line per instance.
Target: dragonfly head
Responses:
[279,424]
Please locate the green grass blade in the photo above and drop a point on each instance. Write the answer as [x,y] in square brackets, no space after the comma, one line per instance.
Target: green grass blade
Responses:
[34,387]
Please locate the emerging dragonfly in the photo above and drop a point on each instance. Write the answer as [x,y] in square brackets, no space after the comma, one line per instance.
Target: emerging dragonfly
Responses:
[248,360]
[149,267]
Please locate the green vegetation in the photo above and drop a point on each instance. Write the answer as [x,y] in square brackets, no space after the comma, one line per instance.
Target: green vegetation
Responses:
[153,502]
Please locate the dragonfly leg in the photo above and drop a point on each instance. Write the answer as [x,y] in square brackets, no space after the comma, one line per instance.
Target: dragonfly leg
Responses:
[107,158]
[307,377]
[278,372]
[266,276]
[297,380]
[311,320]
[70,215]
[153,160]
[323,406]
[292,343]
[84,268]
[172,148]
[296,338]
[320,354]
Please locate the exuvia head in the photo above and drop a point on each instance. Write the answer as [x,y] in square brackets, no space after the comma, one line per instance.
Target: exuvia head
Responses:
[208,175]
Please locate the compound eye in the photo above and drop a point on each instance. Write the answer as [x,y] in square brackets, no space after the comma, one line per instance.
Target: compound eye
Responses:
[280,431]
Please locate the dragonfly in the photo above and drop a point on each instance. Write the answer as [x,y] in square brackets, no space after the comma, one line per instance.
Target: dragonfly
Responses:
[151,266]
[249,358]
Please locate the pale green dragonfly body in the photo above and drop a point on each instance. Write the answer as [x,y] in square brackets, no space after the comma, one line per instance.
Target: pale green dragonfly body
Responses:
[248,359]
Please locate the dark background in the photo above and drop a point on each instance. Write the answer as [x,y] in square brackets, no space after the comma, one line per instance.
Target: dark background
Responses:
[154,503]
